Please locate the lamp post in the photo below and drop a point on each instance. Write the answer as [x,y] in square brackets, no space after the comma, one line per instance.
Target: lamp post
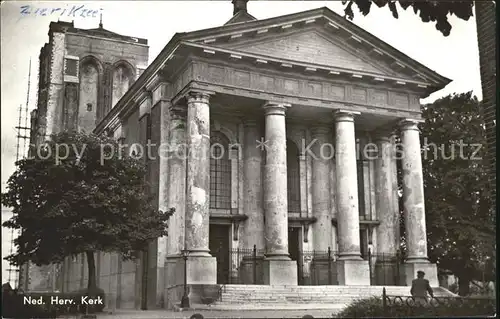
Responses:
[370,248]
[185,297]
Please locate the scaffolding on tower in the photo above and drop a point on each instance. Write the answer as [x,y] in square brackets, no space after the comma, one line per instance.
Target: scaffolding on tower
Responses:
[22,138]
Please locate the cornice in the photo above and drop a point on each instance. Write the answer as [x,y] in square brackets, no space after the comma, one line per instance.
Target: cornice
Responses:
[286,65]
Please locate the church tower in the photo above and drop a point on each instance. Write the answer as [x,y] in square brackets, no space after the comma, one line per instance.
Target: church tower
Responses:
[83,73]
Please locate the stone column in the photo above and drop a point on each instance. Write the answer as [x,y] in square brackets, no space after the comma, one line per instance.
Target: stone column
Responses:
[388,217]
[278,268]
[201,265]
[252,187]
[322,152]
[351,269]
[414,208]
[322,229]
[173,185]
[253,227]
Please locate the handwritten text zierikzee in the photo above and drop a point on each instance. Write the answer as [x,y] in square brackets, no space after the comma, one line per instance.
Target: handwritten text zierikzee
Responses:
[73,11]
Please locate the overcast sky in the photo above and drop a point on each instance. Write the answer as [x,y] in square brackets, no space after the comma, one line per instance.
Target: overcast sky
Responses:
[22,37]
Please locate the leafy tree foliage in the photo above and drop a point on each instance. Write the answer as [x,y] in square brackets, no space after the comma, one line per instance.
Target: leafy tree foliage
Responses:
[78,203]
[436,11]
[460,220]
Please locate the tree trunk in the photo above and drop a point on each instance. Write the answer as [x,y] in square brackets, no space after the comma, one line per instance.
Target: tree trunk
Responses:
[92,283]
[463,286]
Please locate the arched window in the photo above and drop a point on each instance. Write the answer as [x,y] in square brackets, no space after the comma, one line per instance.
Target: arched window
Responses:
[122,80]
[89,83]
[220,172]
[293,178]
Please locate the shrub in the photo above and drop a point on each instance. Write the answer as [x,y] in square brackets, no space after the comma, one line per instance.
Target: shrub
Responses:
[405,307]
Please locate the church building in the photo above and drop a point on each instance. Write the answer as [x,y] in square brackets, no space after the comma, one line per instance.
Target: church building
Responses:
[270,127]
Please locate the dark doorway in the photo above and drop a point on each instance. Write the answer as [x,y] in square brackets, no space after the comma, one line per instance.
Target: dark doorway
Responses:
[219,248]
[294,248]
[293,242]
[363,243]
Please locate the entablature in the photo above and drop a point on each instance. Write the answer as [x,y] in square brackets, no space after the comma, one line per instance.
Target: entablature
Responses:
[235,79]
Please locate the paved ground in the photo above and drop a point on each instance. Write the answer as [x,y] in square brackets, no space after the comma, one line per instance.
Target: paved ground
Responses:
[164,314]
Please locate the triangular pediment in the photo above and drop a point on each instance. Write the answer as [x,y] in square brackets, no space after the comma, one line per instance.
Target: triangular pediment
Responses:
[319,39]
[314,46]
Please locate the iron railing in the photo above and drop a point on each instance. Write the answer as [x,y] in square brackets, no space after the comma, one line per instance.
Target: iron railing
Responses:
[461,306]
[240,266]
[385,269]
[315,267]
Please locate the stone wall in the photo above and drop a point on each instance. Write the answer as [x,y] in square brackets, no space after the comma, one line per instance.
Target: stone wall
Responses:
[89,84]
[56,87]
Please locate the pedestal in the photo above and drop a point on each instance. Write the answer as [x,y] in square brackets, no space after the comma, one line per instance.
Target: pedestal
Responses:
[201,270]
[430,270]
[280,272]
[201,277]
[353,272]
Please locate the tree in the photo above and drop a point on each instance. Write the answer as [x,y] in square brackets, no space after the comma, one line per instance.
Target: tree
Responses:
[80,194]
[460,221]
[428,10]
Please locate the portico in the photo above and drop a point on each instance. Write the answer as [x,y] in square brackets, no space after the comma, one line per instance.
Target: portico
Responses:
[277,116]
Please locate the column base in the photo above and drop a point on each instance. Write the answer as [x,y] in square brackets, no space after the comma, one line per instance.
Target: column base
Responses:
[430,270]
[280,272]
[201,270]
[201,279]
[353,272]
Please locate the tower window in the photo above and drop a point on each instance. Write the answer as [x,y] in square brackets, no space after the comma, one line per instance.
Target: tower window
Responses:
[71,67]
[89,107]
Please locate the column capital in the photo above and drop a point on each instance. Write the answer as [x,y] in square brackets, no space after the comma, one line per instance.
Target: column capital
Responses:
[275,108]
[250,122]
[410,124]
[382,137]
[344,115]
[196,95]
[319,130]
[177,111]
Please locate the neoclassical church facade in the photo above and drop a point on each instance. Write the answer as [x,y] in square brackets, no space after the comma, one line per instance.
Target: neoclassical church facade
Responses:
[252,113]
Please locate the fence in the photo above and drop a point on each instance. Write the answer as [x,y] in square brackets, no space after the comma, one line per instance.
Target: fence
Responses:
[438,306]
[317,267]
[240,266]
[385,269]
[244,266]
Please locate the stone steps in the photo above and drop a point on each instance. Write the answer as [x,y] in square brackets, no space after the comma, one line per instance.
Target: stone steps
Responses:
[302,296]
[273,306]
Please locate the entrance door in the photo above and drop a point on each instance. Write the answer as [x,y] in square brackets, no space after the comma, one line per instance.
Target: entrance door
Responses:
[219,248]
[294,249]
[363,243]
